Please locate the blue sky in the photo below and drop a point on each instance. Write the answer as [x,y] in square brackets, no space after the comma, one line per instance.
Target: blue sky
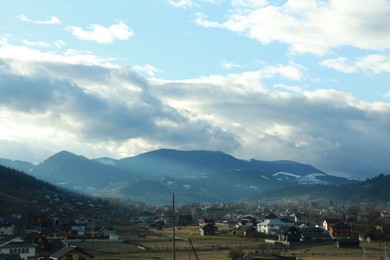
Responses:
[303,80]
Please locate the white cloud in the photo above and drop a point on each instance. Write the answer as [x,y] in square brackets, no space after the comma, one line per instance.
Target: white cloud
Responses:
[291,71]
[53,20]
[310,26]
[231,65]
[25,56]
[59,43]
[103,35]
[80,98]
[318,127]
[341,64]
[374,64]
[92,106]
[202,21]
[181,3]
[146,69]
[294,89]
[249,3]
[36,44]
[3,41]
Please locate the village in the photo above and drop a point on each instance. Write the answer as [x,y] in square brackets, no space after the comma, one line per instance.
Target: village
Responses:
[234,230]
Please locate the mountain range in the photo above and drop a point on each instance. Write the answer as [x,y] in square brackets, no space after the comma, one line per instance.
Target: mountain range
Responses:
[195,176]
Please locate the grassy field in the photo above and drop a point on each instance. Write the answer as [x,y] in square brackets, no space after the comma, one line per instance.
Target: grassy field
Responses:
[141,242]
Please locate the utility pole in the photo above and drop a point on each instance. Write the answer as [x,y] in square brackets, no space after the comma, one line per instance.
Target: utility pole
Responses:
[173,226]
[193,249]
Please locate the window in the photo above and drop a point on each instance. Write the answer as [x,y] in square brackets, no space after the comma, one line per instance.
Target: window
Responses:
[82,257]
[69,257]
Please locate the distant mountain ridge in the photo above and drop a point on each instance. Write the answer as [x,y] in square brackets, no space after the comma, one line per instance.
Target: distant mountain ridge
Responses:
[203,175]
[16,164]
[18,190]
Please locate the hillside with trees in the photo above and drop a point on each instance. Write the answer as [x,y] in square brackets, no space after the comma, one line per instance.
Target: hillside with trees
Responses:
[27,196]
[375,189]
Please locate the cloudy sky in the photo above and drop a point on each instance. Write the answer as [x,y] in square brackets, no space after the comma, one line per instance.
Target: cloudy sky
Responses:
[303,80]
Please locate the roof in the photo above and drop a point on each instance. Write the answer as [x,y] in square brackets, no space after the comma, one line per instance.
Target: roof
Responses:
[244,228]
[17,242]
[341,225]
[331,220]
[284,229]
[10,257]
[6,225]
[208,226]
[49,231]
[270,222]
[314,233]
[271,216]
[66,250]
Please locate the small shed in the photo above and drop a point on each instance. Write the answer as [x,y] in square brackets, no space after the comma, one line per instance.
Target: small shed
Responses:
[207,229]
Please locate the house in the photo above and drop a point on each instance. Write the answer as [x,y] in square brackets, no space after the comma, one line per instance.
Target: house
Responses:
[340,230]
[230,223]
[243,231]
[78,230]
[71,252]
[53,233]
[385,217]
[247,221]
[292,218]
[337,228]
[204,221]
[207,229]
[45,243]
[314,233]
[328,222]
[147,217]
[289,234]
[7,229]
[26,250]
[271,215]
[39,240]
[270,226]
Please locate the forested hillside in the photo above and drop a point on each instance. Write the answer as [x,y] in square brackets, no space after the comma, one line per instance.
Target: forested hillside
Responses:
[375,189]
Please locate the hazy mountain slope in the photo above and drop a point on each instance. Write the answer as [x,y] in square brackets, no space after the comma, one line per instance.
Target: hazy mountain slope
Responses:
[16,164]
[215,187]
[271,167]
[177,163]
[375,189]
[74,171]
[196,175]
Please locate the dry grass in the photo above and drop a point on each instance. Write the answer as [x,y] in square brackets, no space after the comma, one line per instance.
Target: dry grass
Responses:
[148,243]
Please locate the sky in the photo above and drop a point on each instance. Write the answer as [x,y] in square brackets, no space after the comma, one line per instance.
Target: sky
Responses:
[302,80]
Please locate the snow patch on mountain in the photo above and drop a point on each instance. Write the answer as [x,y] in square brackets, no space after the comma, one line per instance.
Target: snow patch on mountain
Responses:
[312,179]
[106,161]
[309,179]
[285,176]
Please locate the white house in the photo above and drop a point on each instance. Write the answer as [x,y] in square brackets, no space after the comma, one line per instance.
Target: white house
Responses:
[26,250]
[270,226]
[7,229]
